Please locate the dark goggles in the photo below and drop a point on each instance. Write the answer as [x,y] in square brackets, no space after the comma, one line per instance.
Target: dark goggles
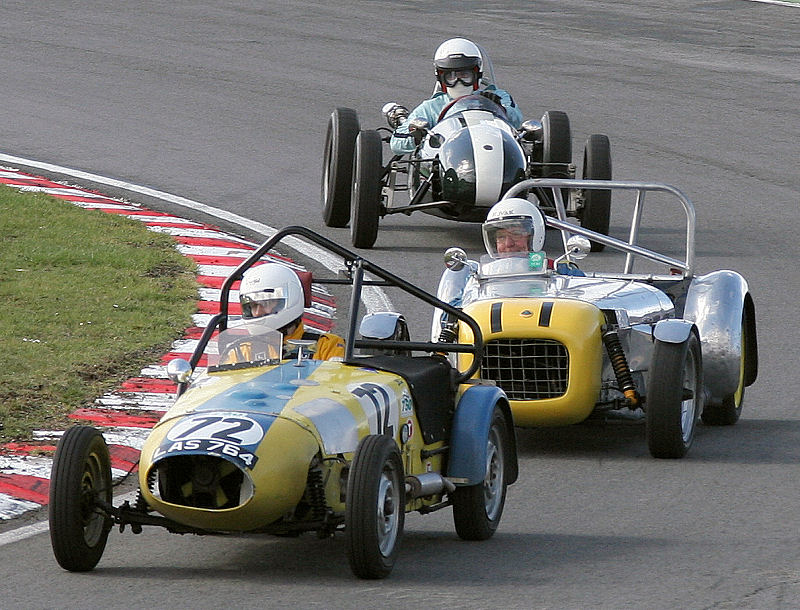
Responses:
[466,76]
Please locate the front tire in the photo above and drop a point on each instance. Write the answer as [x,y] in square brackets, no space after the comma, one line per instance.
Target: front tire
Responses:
[596,213]
[337,166]
[477,508]
[556,143]
[81,475]
[375,507]
[366,195]
[674,397]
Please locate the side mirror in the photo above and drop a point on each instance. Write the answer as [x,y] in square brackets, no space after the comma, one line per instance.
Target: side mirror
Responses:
[179,370]
[532,131]
[578,247]
[455,259]
[384,325]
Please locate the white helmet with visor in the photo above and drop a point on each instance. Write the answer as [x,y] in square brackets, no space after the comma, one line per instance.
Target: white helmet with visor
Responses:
[458,64]
[271,296]
[513,226]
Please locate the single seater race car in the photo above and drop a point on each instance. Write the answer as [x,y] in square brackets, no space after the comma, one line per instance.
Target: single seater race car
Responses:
[462,166]
[662,345]
[267,443]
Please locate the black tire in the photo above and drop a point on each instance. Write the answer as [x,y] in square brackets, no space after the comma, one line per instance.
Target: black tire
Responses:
[556,143]
[366,195]
[375,507]
[556,148]
[729,410]
[81,475]
[477,508]
[337,167]
[674,397]
[596,213]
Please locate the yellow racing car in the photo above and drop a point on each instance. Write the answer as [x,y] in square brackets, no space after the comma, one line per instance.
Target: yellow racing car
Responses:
[659,344]
[284,444]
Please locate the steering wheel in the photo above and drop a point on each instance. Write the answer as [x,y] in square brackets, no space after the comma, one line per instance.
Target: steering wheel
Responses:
[446,108]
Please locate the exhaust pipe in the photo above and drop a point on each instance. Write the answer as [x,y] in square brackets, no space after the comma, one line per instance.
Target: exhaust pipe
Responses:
[427,484]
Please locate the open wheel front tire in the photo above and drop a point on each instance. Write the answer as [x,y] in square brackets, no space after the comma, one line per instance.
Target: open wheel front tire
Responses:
[596,213]
[375,507]
[81,475]
[477,509]
[337,167]
[674,397]
[366,196]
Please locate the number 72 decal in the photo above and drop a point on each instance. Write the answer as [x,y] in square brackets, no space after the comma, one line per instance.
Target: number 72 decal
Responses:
[231,435]
[379,403]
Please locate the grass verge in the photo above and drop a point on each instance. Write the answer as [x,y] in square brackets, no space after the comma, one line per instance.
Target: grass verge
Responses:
[87,298]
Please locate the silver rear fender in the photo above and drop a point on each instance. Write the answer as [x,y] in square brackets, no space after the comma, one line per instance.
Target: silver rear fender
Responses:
[715,303]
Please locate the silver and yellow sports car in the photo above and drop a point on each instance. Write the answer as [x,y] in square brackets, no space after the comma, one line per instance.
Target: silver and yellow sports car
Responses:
[659,344]
[283,445]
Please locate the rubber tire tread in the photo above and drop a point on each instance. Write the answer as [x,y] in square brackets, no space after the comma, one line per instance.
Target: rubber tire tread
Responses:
[596,214]
[366,196]
[361,536]
[664,397]
[66,528]
[340,141]
[557,142]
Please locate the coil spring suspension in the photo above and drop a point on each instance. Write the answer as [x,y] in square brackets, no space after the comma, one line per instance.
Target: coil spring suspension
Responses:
[315,492]
[620,365]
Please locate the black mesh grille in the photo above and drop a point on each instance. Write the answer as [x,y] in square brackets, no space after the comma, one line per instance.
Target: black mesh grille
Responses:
[527,369]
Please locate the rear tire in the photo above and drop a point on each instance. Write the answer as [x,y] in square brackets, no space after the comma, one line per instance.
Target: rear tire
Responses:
[366,195]
[596,213]
[80,476]
[477,508]
[671,415]
[337,167]
[375,507]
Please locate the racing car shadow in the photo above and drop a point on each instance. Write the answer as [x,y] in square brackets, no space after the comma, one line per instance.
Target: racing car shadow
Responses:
[750,441]
[590,439]
[308,561]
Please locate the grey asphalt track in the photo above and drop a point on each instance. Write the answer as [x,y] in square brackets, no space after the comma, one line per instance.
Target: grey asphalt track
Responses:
[226,103]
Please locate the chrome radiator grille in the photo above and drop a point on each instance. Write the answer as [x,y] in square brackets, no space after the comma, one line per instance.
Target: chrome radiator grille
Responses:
[527,369]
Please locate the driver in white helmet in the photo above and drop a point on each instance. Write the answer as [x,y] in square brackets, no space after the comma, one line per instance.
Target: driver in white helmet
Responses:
[458,64]
[513,226]
[272,298]
[515,229]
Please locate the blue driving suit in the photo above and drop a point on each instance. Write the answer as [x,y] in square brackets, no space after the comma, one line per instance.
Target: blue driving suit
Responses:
[403,142]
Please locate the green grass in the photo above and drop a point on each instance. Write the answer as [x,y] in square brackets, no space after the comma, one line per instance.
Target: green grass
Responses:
[86,300]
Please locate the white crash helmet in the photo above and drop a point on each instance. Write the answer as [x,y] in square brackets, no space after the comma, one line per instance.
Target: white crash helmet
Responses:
[517,215]
[458,65]
[271,296]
